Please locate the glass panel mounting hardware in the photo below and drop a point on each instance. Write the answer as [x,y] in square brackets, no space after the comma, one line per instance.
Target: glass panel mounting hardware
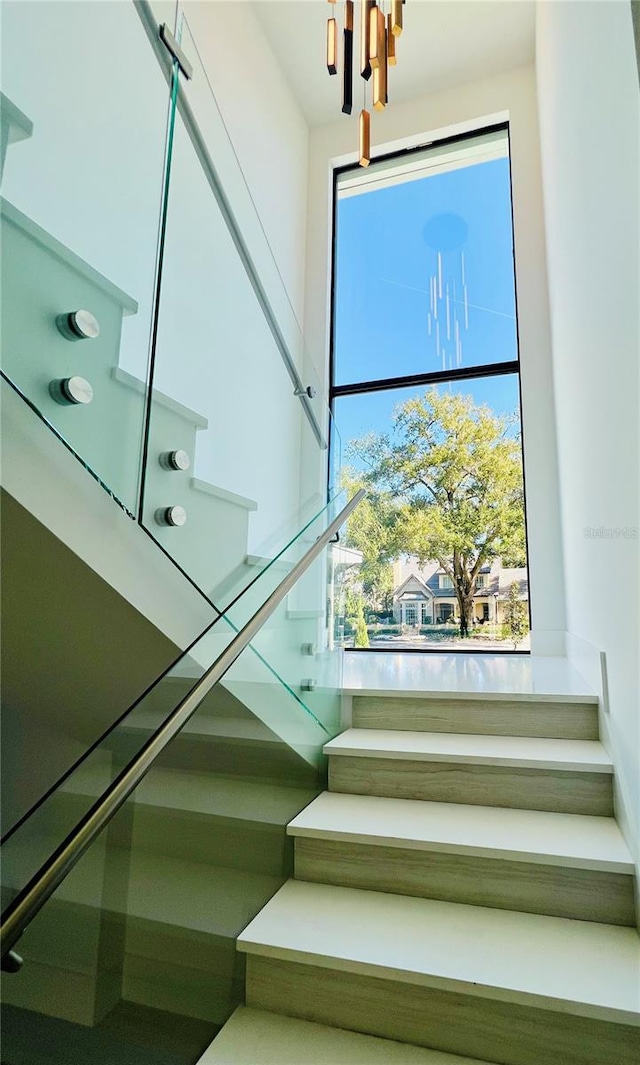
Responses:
[175,460]
[12,962]
[71,390]
[308,391]
[78,325]
[172,46]
[175,516]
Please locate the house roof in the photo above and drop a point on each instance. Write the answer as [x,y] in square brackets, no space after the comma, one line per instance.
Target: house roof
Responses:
[412,588]
[426,579]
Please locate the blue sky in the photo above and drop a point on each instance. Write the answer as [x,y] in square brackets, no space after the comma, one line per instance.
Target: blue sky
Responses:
[387,253]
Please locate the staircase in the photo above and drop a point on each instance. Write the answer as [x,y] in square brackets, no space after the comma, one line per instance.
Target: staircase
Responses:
[461,889]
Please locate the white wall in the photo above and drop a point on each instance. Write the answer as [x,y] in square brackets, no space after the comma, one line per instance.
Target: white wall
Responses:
[265,124]
[589,121]
[463,108]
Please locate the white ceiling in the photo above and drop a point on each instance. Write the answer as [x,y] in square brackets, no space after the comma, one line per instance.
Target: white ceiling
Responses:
[445,42]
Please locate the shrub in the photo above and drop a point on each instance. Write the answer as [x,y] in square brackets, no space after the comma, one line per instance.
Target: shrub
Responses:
[362,636]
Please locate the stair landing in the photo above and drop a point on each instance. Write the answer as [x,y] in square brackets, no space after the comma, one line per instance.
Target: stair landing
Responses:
[464,675]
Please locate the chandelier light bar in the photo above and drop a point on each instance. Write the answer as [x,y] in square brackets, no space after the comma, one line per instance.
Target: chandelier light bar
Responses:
[375,57]
[365,138]
[381,24]
[332,45]
[396,17]
[365,65]
[391,43]
[380,96]
[347,83]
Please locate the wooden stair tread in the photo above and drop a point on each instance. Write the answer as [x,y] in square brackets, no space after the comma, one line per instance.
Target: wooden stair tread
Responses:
[570,966]
[573,840]
[587,756]
[257,1037]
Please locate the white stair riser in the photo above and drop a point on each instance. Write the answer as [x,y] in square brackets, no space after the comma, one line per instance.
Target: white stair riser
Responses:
[559,791]
[554,890]
[471,1025]
[555,720]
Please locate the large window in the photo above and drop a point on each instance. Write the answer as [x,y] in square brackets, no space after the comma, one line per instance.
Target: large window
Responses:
[426,394]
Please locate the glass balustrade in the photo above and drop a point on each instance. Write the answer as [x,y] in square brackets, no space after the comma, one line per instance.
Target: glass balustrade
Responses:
[288,678]
[239,428]
[134,253]
[83,153]
[133,958]
[137,945]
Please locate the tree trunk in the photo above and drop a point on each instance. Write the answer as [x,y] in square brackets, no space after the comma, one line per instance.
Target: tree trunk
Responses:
[465,605]
[464,594]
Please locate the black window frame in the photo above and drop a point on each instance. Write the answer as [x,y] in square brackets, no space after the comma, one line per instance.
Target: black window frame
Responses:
[434,377]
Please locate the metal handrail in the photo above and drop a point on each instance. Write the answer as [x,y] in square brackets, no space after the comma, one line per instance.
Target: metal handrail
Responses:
[28,902]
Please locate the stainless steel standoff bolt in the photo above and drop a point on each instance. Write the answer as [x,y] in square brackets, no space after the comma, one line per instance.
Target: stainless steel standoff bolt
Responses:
[175,516]
[78,325]
[308,685]
[71,390]
[175,460]
[12,962]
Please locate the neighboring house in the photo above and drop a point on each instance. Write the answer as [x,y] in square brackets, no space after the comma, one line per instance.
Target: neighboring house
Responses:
[424,595]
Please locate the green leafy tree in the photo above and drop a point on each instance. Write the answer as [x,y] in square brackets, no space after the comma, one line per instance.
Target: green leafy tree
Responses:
[451,474]
[373,530]
[516,615]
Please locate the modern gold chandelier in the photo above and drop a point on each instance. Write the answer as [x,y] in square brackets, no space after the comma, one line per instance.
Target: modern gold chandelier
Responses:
[378,32]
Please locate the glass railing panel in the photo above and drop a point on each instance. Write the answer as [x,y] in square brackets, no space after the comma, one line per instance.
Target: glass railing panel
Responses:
[74,1000]
[246,204]
[269,680]
[223,410]
[82,185]
[139,940]
[298,640]
[228,392]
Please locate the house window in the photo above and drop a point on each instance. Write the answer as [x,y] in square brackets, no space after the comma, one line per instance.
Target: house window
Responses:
[424,350]
[411,615]
[445,612]
[426,614]
[481,581]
